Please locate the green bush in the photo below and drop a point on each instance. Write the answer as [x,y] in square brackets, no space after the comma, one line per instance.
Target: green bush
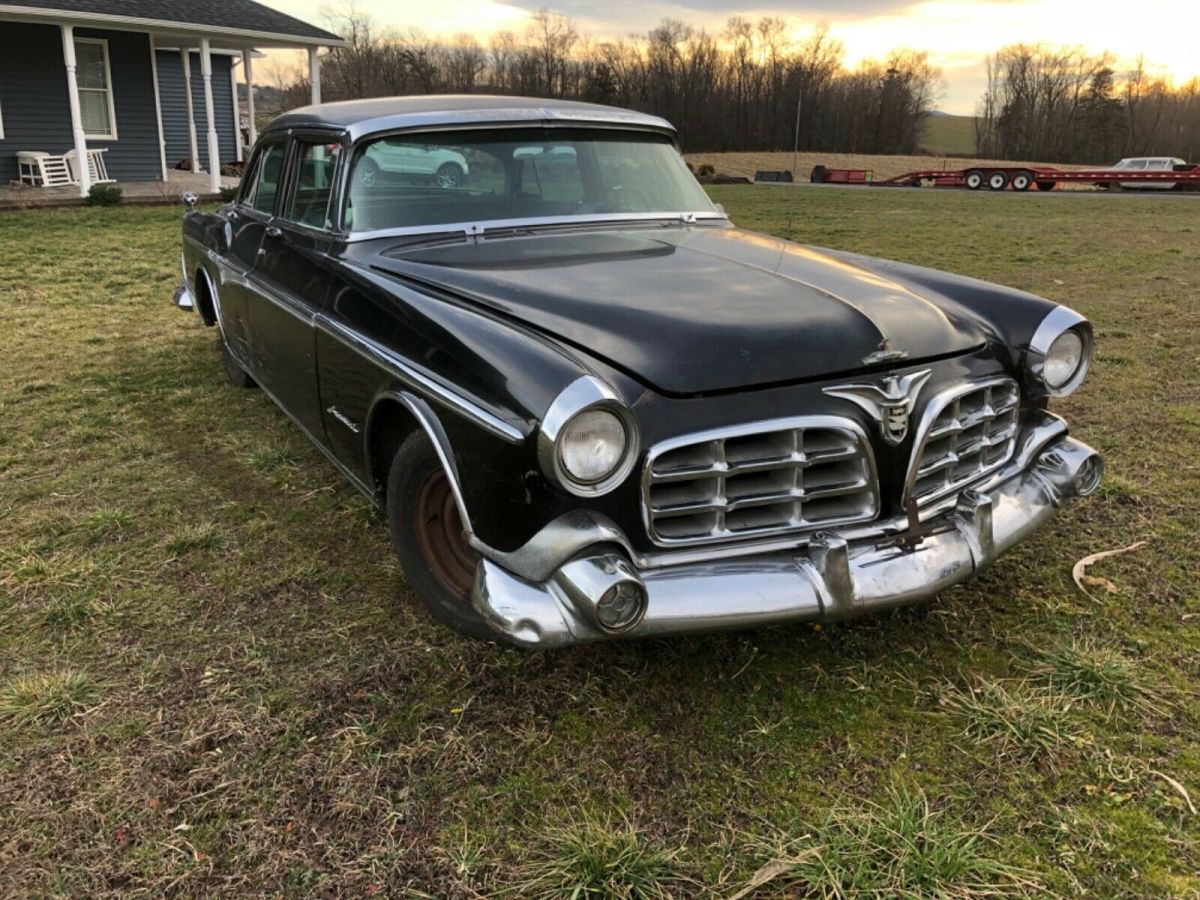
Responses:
[228,194]
[105,195]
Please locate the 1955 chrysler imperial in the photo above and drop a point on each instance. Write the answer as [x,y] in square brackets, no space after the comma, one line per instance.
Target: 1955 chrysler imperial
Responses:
[592,407]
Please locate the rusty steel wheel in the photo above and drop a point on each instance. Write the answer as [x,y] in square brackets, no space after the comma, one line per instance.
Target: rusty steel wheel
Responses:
[429,538]
[441,536]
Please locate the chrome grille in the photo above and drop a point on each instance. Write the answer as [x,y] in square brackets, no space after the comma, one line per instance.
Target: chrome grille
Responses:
[759,479]
[967,432]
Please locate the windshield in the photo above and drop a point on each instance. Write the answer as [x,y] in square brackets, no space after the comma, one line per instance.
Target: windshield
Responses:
[421,180]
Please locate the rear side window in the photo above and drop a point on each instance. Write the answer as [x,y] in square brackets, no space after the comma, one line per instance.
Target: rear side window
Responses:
[316,168]
[267,172]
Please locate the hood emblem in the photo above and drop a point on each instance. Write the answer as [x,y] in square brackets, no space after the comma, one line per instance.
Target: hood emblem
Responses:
[890,403]
[885,353]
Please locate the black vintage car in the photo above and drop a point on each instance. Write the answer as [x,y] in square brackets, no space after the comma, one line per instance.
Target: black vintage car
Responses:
[592,407]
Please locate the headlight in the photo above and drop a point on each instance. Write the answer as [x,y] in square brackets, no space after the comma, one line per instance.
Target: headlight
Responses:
[1060,352]
[592,445]
[1063,360]
[588,439]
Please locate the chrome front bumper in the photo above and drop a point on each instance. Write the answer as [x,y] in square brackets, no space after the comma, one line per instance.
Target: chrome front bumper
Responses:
[833,577]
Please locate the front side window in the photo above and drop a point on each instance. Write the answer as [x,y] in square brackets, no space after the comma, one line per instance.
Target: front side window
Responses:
[316,167]
[267,172]
[93,78]
[443,178]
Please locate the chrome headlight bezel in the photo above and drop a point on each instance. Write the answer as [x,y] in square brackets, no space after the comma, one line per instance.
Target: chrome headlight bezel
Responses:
[1056,323]
[583,395]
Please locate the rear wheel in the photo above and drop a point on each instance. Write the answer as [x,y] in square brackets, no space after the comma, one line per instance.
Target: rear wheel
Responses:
[997,181]
[1022,181]
[429,537]
[973,180]
[1045,185]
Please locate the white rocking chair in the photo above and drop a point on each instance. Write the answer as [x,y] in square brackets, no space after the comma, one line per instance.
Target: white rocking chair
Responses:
[97,171]
[39,169]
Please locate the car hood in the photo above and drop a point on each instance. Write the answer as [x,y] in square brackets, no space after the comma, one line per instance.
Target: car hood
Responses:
[696,310]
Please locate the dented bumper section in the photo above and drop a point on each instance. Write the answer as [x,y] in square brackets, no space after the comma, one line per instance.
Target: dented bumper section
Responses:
[600,593]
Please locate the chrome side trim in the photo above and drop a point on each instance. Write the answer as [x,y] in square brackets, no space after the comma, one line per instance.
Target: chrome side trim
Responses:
[414,378]
[382,356]
[437,435]
[357,482]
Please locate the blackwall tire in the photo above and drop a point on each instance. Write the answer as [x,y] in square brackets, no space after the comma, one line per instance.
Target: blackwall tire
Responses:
[973,180]
[449,176]
[234,372]
[426,534]
[1046,185]
[997,181]
[1022,181]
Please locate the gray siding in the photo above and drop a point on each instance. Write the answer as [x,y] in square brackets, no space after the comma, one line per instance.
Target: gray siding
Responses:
[37,113]
[174,107]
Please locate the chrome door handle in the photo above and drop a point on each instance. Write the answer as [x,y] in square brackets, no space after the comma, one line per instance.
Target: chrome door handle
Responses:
[274,231]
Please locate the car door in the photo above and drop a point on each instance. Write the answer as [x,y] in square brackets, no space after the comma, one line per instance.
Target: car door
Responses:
[293,278]
[248,221]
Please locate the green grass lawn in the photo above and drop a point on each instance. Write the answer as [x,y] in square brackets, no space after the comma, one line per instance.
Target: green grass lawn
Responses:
[213,680]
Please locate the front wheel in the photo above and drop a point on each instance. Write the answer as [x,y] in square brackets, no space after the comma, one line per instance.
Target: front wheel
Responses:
[429,538]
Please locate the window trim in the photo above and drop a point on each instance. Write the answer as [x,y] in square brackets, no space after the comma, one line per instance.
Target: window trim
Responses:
[297,138]
[249,185]
[1,121]
[109,89]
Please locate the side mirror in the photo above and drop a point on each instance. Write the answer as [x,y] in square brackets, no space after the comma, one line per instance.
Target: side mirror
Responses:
[190,199]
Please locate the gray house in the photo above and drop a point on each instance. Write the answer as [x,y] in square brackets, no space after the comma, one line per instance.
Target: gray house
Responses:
[133,87]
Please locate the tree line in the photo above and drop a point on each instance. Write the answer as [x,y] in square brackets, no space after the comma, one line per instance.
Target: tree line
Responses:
[1066,105]
[750,86]
[737,90]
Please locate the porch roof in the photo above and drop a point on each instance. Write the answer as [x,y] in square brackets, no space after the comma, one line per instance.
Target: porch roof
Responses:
[231,22]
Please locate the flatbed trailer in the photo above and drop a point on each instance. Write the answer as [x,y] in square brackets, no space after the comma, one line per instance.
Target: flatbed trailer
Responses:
[1018,178]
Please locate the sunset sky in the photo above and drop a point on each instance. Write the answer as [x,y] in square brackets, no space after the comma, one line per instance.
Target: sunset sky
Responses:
[957,33]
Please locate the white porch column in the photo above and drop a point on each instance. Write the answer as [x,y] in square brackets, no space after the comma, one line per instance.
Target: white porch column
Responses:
[162,141]
[185,58]
[237,111]
[214,161]
[248,66]
[85,175]
[314,75]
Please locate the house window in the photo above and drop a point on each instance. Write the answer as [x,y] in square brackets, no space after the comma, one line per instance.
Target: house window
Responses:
[94,79]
